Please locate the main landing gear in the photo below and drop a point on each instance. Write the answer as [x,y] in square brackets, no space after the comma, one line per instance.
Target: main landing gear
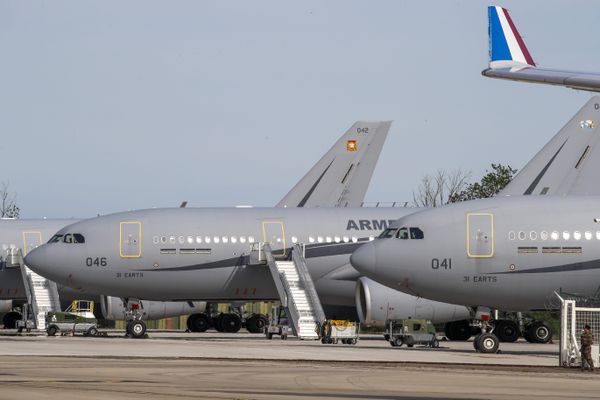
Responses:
[230,322]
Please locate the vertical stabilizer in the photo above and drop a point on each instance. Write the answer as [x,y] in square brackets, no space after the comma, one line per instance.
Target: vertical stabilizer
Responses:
[342,176]
[569,163]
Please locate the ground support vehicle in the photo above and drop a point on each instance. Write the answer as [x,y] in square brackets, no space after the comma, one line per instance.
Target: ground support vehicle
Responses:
[78,318]
[334,330]
[411,332]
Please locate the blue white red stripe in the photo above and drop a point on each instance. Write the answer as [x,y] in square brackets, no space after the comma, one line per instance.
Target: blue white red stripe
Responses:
[507,48]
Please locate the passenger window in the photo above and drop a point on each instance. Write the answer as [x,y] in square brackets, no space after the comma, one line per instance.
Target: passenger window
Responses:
[78,238]
[416,233]
[402,233]
[388,233]
[68,238]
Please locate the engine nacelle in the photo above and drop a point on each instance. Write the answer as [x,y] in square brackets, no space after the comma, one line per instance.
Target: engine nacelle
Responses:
[113,309]
[376,303]
[5,306]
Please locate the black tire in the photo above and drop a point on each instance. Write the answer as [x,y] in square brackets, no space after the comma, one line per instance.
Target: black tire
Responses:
[386,337]
[256,323]
[507,331]
[52,330]
[93,331]
[475,339]
[217,323]
[539,332]
[458,330]
[487,343]
[398,342]
[10,319]
[198,322]
[410,341]
[435,343]
[137,329]
[270,336]
[230,323]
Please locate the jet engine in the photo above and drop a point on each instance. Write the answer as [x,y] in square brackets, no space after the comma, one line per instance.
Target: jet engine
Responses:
[5,306]
[112,308]
[376,303]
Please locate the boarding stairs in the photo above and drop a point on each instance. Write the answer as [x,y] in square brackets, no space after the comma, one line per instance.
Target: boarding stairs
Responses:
[42,293]
[296,291]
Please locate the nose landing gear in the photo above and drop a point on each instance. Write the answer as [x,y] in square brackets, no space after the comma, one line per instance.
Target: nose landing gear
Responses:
[134,326]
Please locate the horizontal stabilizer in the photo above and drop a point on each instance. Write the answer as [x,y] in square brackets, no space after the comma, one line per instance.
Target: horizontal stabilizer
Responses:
[342,176]
[569,163]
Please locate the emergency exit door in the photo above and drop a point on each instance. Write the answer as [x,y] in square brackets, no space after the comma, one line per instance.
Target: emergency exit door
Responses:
[480,235]
[31,240]
[274,234]
[131,239]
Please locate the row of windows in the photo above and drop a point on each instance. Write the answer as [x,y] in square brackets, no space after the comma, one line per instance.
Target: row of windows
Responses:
[402,233]
[553,235]
[68,238]
[249,239]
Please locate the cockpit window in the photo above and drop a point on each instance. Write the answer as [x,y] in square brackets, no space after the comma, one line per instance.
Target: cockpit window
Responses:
[402,233]
[69,238]
[416,233]
[55,238]
[388,233]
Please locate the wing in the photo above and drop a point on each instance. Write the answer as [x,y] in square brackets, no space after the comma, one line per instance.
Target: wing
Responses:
[510,59]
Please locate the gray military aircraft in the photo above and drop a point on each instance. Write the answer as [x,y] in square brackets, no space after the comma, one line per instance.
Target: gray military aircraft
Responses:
[221,245]
[27,234]
[510,252]
[510,59]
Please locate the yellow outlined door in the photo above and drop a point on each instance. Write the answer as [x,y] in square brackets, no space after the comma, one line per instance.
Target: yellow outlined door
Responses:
[31,240]
[130,239]
[480,235]
[274,234]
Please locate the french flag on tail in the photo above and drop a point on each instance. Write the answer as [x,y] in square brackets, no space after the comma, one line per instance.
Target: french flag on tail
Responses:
[507,49]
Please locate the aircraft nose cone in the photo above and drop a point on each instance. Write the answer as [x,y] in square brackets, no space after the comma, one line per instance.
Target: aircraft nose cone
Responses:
[363,259]
[36,259]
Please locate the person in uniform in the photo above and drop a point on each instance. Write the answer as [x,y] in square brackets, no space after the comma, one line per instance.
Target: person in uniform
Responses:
[587,339]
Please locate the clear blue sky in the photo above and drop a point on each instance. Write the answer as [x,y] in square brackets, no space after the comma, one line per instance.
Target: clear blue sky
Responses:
[110,106]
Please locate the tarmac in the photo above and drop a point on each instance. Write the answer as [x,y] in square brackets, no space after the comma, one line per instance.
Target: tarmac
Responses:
[244,366]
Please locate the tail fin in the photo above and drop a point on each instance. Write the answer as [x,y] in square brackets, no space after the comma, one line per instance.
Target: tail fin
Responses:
[506,46]
[342,176]
[568,164]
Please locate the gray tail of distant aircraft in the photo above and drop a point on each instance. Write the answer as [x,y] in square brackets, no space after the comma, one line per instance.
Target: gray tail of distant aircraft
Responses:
[341,177]
[510,59]
[569,163]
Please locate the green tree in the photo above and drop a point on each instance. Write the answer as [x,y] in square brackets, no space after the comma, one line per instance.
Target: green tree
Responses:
[491,183]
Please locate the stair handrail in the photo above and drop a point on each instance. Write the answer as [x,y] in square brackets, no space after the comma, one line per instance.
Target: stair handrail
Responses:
[282,288]
[308,283]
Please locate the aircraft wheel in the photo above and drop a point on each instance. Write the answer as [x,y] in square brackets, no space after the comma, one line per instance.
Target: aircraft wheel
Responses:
[92,331]
[10,319]
[198,322]
[256,323]
[507,331]
[475,339]
[230,323]
[539,332]
[487,343]
[458,330]
[52,329]
[137,329]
